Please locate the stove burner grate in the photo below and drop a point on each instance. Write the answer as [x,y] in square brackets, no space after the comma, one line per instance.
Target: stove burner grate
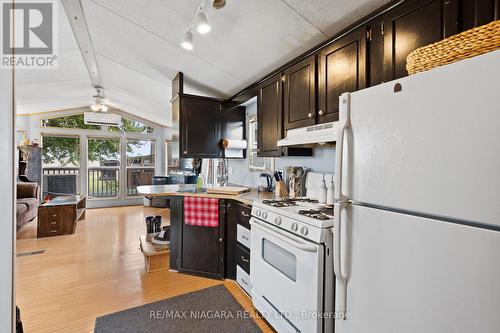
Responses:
[323,214]
[287,202]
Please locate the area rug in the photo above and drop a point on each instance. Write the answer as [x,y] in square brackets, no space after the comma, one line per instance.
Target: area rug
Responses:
[209,310]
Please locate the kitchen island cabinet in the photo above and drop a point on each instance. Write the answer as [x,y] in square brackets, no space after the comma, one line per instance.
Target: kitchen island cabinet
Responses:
[196,250]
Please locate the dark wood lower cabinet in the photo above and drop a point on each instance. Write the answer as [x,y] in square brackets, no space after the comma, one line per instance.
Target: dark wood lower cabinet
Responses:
[176,205]
[236,213]
[205,251]
[202,248]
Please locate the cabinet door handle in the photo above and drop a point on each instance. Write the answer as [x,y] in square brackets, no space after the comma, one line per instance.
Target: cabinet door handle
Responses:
[245,214]
[245,237]
[244,260]
[321,112]
[310,115]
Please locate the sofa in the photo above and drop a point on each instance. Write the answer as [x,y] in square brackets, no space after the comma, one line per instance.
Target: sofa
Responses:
[27,203]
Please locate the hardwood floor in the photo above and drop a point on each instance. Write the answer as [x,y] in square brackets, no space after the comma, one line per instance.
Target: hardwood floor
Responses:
[96,271]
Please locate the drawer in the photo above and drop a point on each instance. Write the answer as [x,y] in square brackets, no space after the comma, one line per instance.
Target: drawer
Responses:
[243,258]
[244,215]
[243,279]
[243,235]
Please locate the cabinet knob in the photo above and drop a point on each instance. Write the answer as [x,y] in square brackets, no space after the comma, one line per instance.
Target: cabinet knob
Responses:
[321,112]
[185,151]
[310,115]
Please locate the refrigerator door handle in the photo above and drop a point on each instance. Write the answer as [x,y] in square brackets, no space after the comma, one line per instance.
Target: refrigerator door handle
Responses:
[338,258]
[345,116]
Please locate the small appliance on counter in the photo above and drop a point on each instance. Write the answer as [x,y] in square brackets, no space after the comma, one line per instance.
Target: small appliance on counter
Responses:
[296,181]
[265,183]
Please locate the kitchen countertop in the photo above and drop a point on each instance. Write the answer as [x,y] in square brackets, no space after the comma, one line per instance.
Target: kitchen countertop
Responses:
[189,190]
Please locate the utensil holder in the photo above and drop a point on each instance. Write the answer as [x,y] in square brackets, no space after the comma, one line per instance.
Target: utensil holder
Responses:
[280,191]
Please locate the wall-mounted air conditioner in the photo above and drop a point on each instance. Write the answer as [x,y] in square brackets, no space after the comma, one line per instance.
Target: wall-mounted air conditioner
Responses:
[102,118]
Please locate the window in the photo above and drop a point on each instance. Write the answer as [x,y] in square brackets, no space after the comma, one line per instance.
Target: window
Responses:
[171,163]
[74,121]
[77,121]
[141,157]
[61,165]
[256,162]
[132,126]
[103,167]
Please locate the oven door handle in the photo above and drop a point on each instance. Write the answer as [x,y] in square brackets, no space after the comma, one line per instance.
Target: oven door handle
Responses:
[289,239]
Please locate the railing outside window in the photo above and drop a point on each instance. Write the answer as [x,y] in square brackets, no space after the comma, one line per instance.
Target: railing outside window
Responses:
[103,182]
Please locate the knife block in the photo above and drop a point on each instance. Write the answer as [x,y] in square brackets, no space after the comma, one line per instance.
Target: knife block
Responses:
[280,190]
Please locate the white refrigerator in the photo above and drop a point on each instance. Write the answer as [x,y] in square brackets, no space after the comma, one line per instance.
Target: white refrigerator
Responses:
[417,217]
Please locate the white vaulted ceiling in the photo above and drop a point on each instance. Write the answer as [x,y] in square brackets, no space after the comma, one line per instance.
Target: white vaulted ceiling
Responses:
[136,43]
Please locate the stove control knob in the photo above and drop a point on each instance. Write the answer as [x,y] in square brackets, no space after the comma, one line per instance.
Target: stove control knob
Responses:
[304,230]
[264,215]
[294,226]
[257,212]
[277,220]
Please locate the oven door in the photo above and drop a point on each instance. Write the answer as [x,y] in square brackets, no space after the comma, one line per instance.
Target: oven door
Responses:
[287,278]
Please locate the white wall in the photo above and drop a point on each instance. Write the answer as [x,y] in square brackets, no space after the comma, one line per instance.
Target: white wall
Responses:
[323,160]
[7,244]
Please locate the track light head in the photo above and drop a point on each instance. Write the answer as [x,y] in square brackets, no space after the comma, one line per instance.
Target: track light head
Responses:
[203,27]
[187,43]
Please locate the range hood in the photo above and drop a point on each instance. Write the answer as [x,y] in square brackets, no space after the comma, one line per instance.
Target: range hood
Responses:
[317,134]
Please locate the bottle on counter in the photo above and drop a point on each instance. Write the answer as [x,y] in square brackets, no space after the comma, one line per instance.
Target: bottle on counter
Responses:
[330,192]
[322,191]
[199,182]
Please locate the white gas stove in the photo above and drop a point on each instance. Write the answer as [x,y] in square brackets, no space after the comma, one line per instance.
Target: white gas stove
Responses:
[291,267]
[300,216]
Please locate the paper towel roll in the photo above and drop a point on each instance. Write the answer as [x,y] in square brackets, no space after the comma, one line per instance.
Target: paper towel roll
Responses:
[234,144]
[234,148]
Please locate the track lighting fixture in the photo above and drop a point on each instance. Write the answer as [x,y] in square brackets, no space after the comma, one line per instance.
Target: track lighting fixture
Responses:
[203,27]
[187,43]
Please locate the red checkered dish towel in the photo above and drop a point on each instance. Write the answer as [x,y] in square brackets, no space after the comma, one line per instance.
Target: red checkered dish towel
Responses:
[203,212]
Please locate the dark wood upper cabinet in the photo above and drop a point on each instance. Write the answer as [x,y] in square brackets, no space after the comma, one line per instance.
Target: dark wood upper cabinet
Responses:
[200,127]
[413,24]
[375,52]
[300,94]
[478,12]
[461,15]
[269,114]
[342,68]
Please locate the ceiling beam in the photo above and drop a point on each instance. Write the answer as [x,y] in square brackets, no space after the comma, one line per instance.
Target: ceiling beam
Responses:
[74,11]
